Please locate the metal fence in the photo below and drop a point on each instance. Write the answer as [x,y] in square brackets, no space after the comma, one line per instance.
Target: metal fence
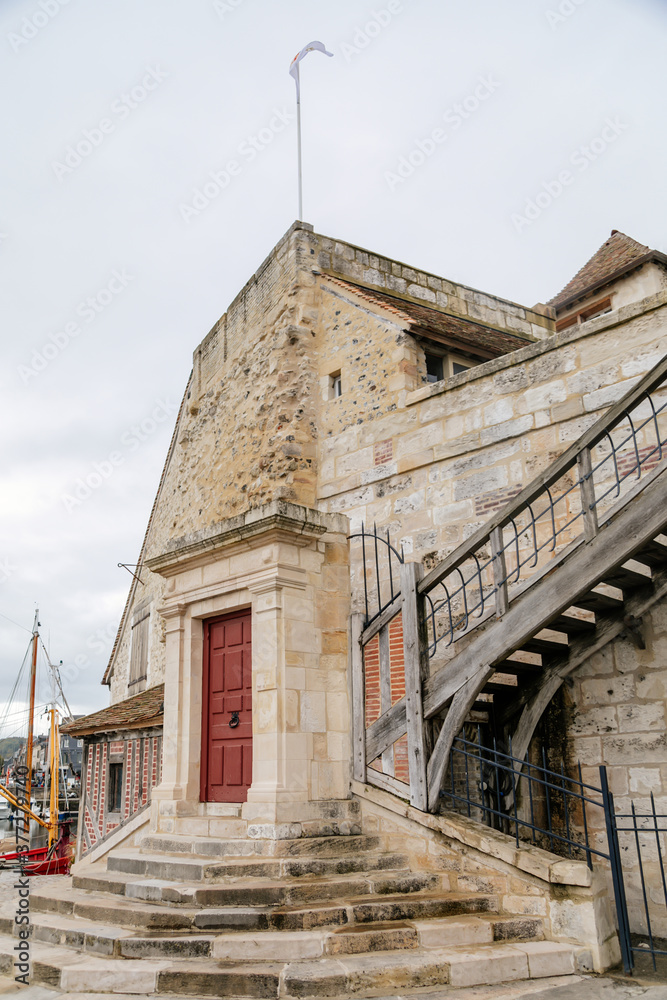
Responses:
[557,812]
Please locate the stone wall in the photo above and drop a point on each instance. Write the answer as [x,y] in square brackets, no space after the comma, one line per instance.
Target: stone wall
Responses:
[617,702]
[453,452]
[343,260]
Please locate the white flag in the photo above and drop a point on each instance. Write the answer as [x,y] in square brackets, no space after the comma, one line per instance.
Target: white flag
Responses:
[294,65]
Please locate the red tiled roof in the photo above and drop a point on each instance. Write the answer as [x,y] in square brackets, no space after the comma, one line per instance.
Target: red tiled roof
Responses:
[141,710]
[618,253]
[458,333]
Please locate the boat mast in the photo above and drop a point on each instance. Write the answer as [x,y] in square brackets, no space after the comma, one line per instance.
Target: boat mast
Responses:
[31,716]
[54,764]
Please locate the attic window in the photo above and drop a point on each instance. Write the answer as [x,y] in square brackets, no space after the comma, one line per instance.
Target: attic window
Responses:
[442,366]
[434,368]
[598,308]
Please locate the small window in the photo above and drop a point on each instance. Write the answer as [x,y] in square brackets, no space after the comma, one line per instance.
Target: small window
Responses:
[115,787]
[434,368]
[335,386]
[458,368]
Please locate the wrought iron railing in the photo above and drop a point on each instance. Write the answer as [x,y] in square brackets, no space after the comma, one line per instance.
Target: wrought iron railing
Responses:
[530,802]
[374,599]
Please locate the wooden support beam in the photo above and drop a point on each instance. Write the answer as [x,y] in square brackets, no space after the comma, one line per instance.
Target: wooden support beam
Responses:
[382,619]
[461,704]
[385,693]
[386,730]
[499,571]
[587,490]
[358,698]
[415,656]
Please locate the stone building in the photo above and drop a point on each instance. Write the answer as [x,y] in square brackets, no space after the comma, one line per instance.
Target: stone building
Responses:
[342,390]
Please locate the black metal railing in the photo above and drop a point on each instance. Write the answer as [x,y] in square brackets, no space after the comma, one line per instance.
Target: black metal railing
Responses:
[530,802]
[377,553]
[572,818]
[644,844]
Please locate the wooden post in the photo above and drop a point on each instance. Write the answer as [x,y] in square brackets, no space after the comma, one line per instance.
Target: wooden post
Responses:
[415,650]
[499,572]
[587,490]
[358,698]
[385,693]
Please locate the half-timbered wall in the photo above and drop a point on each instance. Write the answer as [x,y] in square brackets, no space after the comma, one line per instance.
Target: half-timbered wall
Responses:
[140,754]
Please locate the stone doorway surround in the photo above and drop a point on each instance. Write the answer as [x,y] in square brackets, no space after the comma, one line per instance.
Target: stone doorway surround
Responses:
[289,564]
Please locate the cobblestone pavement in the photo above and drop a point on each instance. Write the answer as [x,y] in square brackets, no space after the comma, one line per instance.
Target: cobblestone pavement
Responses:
[569,988]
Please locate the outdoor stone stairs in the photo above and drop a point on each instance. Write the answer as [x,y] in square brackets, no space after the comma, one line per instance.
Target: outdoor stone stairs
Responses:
[314,916]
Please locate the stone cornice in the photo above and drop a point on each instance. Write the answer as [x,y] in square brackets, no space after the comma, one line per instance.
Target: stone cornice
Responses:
[275,521]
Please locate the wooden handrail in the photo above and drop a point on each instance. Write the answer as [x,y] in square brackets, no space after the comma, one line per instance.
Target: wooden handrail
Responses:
[652,380]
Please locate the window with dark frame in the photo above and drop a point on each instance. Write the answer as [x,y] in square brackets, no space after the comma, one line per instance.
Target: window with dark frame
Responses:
[336,386]
[434,368]
[115,787]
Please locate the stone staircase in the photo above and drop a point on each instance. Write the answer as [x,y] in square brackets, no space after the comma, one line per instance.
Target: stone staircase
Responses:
[311,916]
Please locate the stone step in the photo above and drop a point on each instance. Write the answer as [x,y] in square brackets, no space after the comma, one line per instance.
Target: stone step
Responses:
[220,827]
[217,913]
[251,892]
[195,868]
[335,975]
[313,847]
[258,892]
[86,936]
[352,939]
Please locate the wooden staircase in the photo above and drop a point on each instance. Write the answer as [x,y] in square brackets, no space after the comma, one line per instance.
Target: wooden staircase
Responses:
[478,632]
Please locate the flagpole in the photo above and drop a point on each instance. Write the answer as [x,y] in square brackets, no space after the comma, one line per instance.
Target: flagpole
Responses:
[298,141]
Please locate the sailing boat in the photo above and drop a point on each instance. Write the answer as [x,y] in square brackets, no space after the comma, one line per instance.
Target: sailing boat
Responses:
[55,857]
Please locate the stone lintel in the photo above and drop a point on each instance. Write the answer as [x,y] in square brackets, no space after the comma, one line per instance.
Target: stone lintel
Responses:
[285,521]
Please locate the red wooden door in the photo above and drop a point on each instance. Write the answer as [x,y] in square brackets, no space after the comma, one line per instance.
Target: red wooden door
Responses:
[227,709]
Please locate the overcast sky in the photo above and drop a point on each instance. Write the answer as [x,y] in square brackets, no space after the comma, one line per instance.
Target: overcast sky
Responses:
[114,267]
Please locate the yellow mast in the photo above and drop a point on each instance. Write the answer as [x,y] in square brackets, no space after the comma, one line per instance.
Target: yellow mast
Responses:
[31,717]
[54,764]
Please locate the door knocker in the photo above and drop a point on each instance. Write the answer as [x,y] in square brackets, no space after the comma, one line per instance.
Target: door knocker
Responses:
[234,721]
